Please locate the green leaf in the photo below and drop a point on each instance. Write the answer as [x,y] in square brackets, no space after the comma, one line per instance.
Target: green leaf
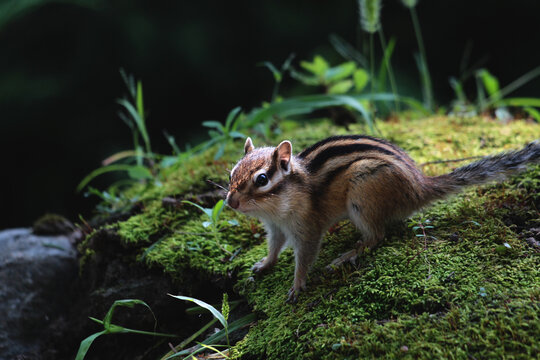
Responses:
[361,78]
[125,302]
[490,82]
[233,115]
[85,345]
[208,307]
[305,79]
[220,335]
[139,173]
[214,124]
[207,211]
[341,87]
[214,350]
[220,151]
[348,51]
[215,135]
[275,72]
[519,102]
[216,211]
[458,89]
[237,135]
[385,64]
[535,114]
[140,103]
[340,72]
[318,67]
[206,224]
[101,171]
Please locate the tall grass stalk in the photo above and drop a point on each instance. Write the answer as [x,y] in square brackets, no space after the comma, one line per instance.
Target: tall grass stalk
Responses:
[370,21]
[388,64]
[427,88]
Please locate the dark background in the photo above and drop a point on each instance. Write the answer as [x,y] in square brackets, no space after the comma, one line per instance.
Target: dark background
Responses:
[59,73]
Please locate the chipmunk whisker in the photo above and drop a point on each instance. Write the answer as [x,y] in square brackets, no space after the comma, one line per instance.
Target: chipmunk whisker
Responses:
[217,185]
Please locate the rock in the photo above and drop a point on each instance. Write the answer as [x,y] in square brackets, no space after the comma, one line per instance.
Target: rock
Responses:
[35,275]
[52,224]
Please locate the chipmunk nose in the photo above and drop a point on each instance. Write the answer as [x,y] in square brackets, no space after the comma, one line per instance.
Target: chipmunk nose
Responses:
[232,201]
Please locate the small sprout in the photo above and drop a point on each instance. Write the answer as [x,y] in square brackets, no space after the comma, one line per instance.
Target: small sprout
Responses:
[503,249]
[482,292]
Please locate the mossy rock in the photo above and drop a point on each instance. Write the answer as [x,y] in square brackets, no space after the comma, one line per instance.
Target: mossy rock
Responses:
[467,288]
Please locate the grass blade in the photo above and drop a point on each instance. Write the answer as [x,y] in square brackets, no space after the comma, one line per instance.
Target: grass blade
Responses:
[125,302]
[204,210]
[233,114]
[534,102]
[427,87]
[85,345]
[519,82]
[216,211]
[208,307]
[100,171]
[213,349]
[347,50]
[218,336]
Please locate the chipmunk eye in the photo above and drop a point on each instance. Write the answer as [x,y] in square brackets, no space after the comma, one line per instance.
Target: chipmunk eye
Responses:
[261,180]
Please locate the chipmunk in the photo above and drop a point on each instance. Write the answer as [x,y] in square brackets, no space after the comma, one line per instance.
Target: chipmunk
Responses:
[367,180]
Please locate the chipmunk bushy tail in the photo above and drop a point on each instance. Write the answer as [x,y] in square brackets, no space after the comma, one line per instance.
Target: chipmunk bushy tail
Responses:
[490,168]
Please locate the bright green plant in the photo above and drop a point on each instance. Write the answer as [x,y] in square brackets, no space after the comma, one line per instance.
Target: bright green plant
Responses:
[214,223]
[222,134]
[143,158]
[335,80]
[109,328]
[212,342]
[134,116]
[490,96]
[213,215]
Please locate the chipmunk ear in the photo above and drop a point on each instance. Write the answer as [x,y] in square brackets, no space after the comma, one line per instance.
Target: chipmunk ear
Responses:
[283,153]
[248,146]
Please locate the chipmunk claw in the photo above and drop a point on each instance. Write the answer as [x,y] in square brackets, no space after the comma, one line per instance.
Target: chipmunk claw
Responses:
[261,266]
[292,296]
[350,257]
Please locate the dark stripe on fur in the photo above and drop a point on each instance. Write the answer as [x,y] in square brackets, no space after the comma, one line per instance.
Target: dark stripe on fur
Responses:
[339,150]
[279,187]
[271,170]
[315,146]
[320,189]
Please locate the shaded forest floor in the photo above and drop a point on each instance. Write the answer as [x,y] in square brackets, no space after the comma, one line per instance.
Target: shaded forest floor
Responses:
[466,286]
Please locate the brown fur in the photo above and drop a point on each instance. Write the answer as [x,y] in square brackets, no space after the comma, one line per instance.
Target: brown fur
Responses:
[368,180]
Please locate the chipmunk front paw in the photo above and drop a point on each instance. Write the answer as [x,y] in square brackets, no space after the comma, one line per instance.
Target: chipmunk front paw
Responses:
[292,296]
[261,266]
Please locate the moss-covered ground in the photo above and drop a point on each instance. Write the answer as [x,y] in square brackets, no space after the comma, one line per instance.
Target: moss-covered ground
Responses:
[467,286]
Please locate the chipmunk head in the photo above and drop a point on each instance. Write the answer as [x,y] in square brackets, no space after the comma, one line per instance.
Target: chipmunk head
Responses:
[258,176]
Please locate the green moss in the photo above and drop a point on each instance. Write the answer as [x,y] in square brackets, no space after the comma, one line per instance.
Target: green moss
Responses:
[456,293]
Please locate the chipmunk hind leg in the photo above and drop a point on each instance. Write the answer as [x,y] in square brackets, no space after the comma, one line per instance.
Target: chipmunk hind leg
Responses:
[371,202]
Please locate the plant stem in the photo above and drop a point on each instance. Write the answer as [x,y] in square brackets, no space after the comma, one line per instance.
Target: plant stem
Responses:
[426,79]
[389,69]
[372,63]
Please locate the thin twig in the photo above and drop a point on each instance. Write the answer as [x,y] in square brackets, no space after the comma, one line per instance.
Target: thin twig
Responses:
[449,161]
